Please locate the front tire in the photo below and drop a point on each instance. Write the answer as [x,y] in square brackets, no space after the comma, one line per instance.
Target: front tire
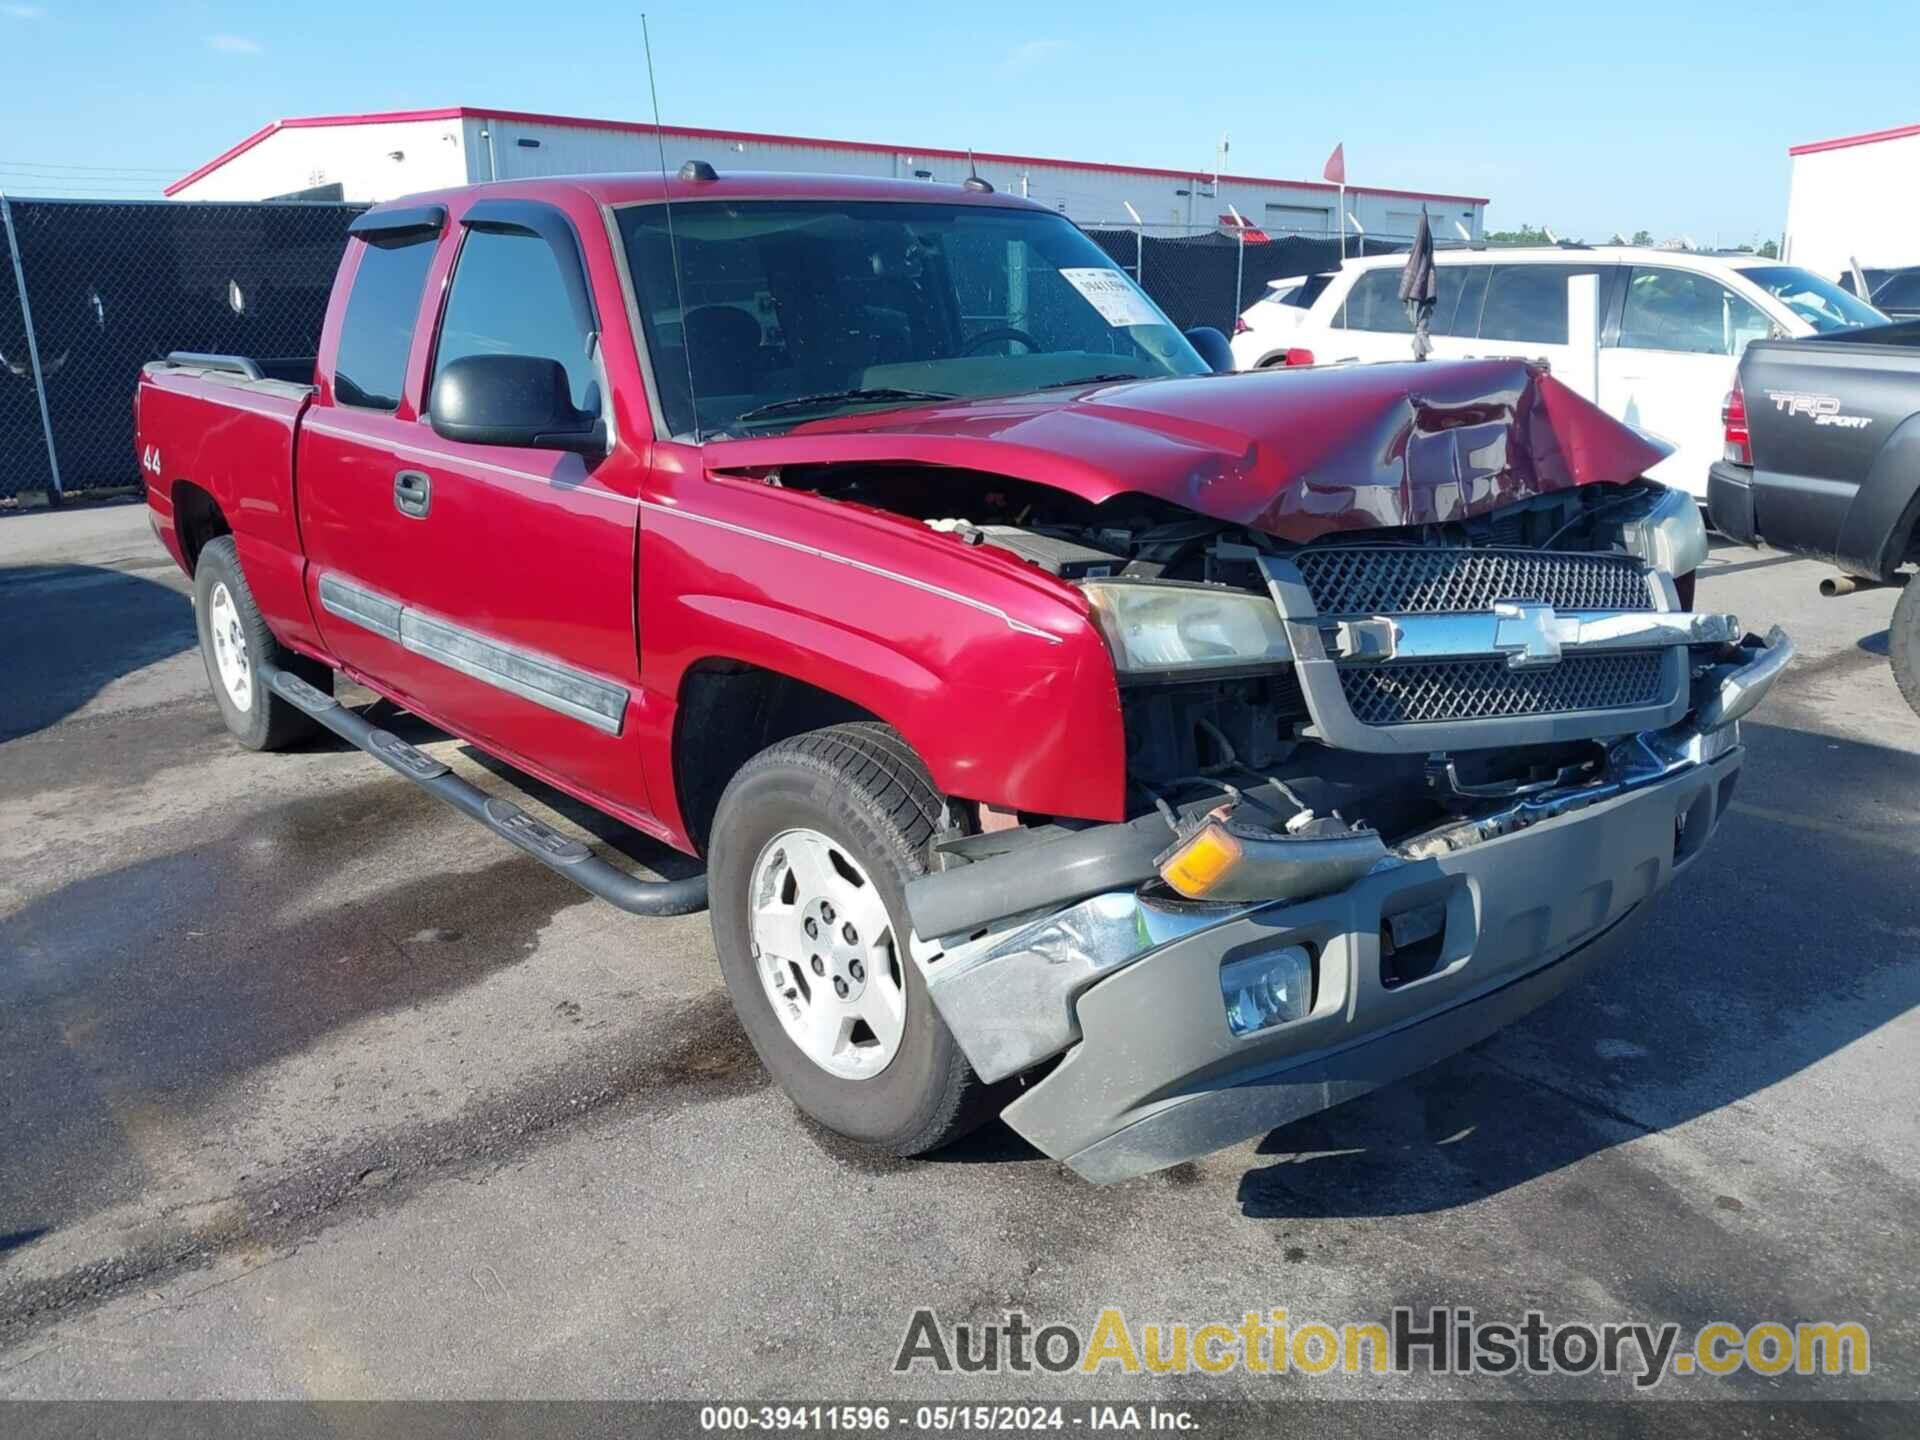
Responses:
[1903,643]
[235,642]
[812,847]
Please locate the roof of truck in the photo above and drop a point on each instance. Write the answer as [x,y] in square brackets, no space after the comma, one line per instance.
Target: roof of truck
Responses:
[644,186]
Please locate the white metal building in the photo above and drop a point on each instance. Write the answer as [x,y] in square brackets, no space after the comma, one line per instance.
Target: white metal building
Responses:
[376,157]
[1855,198]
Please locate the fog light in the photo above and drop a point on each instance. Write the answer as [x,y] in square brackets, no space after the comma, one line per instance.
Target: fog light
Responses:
[1267,989]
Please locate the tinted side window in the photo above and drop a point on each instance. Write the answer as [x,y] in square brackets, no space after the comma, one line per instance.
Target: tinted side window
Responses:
[1529,302]
[1374,303]
[1459,291]
[1694,314]
[508,298]
[378,329]
[1305,293]
[1902,290]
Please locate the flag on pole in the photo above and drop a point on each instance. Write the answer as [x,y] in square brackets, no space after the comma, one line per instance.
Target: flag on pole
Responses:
[1336,170]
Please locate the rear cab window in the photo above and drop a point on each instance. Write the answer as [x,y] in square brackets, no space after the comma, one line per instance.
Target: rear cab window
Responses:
[383,307]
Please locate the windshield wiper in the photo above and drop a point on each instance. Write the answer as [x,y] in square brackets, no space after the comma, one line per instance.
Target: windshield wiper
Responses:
[1102,379]
[878,394]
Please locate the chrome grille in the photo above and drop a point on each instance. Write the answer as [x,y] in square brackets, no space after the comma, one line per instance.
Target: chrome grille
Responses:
[1404,580]
[1489,689]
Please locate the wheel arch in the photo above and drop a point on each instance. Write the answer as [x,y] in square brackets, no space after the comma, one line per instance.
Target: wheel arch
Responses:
[197,519]
[728,711]
[1882,521]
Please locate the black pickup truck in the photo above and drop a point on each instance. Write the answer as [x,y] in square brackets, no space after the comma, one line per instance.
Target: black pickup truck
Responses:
[1823,459]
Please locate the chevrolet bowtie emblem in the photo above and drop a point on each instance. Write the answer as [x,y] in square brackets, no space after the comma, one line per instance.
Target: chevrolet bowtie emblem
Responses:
[1529,635]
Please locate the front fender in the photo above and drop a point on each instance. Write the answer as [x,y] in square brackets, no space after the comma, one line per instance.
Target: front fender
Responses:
[1005,692]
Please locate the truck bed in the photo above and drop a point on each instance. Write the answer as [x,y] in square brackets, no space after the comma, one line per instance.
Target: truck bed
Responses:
[1835,427]
[234,434]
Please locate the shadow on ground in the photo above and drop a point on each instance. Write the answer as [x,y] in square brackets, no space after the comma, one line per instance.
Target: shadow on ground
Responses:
[146,989]
[71,630]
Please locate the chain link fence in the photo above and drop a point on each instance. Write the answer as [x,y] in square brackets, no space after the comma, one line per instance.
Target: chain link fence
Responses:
[92,290]
[1208,275]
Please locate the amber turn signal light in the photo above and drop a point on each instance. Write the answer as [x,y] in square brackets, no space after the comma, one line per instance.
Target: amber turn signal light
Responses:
[1202,861]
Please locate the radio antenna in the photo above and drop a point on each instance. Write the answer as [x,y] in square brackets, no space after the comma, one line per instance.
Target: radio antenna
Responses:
[673,244]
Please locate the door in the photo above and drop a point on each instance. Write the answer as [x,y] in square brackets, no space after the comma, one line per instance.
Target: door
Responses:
[513,566]
[1668,372]
[345,475]
[1313,220]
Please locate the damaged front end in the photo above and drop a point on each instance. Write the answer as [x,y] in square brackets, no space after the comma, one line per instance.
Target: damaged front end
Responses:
[1393,790]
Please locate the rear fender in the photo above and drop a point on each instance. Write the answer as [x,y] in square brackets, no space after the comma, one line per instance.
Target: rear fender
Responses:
[236,444]
[1878,530]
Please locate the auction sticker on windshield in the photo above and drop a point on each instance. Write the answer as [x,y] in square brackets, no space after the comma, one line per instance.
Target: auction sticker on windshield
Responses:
[1109,292]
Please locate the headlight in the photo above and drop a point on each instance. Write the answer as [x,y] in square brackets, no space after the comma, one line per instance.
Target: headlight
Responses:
[1670,536]
[1160,628]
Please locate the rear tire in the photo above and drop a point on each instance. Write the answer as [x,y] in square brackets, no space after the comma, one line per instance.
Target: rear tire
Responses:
[235,642]
[1903,643]
[856,799]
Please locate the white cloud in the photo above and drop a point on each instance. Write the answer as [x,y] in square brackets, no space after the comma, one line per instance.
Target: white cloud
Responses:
[235,45]
[23,12]
[1030,53]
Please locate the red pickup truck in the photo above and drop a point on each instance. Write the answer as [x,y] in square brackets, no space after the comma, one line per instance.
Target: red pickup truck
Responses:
[1147,754]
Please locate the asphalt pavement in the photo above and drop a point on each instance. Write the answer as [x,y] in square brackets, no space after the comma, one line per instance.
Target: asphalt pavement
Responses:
[309,1088]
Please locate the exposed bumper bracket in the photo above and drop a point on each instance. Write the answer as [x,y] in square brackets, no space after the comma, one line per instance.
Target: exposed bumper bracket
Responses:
[1739,687]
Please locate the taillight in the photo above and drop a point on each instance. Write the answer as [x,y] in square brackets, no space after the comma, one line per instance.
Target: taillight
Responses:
[1298,356]
[1240,325]
[1733,416]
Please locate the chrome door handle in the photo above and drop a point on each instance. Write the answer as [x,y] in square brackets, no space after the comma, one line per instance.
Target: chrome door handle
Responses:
[412,493]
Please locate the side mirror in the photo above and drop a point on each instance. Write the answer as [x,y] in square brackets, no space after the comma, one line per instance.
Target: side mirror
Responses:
[512,400]
[1212,347]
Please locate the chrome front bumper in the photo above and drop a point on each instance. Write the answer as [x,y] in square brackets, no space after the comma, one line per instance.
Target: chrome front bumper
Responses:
[1127,985]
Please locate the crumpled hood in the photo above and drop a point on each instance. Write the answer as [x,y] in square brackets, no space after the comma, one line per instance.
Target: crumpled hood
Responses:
[1296,453]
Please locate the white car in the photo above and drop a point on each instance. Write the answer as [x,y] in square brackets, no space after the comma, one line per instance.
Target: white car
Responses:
[1671,326]
[1286,303]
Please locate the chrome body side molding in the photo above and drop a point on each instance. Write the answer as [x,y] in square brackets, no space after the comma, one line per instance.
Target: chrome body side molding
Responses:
[544,681]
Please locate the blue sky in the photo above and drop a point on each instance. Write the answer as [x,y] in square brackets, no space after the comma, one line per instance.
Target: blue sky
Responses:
[1591,119]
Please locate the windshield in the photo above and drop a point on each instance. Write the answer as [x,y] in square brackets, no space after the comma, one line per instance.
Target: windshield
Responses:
[798,309]
[1820,303]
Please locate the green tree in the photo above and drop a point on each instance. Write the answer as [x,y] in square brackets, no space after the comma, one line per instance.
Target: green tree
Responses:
[1770,250]
[1642,237]
[1525,235]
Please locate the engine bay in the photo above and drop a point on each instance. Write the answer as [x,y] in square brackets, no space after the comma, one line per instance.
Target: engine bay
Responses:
[1139,537]
[1218,732]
